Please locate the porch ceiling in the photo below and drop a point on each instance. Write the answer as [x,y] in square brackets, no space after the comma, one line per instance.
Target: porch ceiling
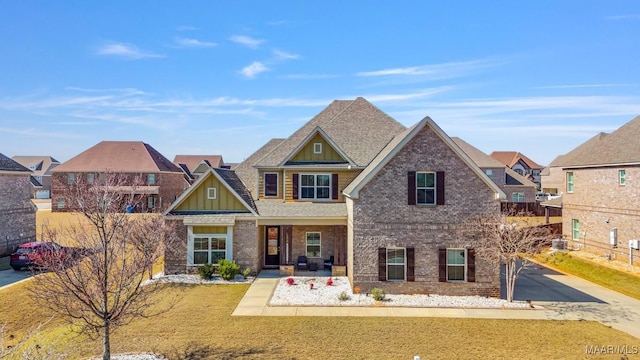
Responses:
[279,209]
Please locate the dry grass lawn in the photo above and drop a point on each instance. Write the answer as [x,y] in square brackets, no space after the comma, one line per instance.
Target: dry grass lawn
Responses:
[200,326]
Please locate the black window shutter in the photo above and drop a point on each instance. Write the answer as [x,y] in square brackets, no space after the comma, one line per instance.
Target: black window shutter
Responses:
[411,264]
[440,188]
[295,186]
[382,264]
[471,265]
[334,186]
[442,265]
[411,188]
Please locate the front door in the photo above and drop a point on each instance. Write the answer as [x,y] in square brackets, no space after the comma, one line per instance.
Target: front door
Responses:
[272,253]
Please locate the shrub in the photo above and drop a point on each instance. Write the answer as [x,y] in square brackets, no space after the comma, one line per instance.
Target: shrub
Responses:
[228,269]
[246,272]
[378,294]
[290,281]
[343,296]
[206,271]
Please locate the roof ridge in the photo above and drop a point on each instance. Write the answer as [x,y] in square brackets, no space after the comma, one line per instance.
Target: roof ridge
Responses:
[351,102]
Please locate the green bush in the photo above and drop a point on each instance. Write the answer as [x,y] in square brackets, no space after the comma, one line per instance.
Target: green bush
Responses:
[246,272]
[228,269]
[343,296]
[378,294]
[206,271]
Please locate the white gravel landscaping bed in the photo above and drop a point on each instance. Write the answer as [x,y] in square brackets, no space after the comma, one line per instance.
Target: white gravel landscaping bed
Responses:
[196,279]
[301,294]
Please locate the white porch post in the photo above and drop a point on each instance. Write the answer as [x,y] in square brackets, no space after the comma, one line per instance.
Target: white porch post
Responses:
[229,254]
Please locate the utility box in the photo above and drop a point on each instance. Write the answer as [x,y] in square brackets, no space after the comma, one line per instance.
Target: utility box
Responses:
[559,244]
[613,237]
[634,244]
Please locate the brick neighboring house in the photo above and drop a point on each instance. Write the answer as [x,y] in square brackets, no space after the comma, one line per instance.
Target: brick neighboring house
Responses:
[521,164]
[17,212]
[41,167]
[600,180]
[385,202]
[195,165]
[162,181]
[515,186]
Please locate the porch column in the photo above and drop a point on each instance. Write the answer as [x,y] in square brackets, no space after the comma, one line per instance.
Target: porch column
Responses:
[286,252]
[340,245]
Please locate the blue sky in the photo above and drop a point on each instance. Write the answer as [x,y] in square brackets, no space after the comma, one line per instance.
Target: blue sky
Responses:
[224,77]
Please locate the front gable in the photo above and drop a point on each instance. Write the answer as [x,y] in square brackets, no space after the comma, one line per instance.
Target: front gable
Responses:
[209,195]
[317,148]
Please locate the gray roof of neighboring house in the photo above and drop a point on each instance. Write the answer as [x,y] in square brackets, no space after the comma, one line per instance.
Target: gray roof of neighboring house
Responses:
[510,158]
[481,159]
[232,179]
[6,164]
[40,165]
[119,156]
[277,208]
[619,147]
[513,178]
[245,169]
[192,161]
[358,128]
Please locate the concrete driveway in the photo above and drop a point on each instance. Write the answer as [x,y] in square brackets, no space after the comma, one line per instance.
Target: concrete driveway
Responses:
[8,277]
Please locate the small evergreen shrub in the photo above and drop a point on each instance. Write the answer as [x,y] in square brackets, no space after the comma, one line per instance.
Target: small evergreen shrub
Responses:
[378,294]
[246,272]
[228,269]
[343,296]
[206,271]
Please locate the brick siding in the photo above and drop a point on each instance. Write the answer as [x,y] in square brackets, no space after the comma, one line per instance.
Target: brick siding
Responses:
[17,212]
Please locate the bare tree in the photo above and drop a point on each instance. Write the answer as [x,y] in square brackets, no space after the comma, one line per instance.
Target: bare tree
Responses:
[100,285]
[510,241]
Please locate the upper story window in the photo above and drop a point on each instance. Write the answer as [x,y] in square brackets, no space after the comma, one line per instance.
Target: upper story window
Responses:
[519,171]
[315,186]
[535,172]
[517,197]
[489,172]
[317,148]
[570,182]
[621,177]
[271,184]
[90,178]
[426,188]
[212,193]
[71,178]
[575,227]
[151,179]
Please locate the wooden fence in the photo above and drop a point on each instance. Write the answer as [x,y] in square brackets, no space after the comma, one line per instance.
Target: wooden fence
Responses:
[533,208]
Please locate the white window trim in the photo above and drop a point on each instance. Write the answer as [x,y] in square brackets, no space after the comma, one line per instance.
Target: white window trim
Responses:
[573,185]
[517,193]
[149,177]
[575,222]
[622,177]
[228,245]
[315,187]
[435,187]
[306,243]
[404,265]
[317,148]
[264,184]
[466,262]
[214,195]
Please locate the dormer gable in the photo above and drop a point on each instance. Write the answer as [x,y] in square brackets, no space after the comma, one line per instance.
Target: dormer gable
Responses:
[317,148]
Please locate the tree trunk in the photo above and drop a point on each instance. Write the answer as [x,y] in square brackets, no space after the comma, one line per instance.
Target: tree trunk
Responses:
[106,347]
[510,278]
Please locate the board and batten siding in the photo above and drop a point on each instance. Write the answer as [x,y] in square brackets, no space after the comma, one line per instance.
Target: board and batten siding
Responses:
[224,200]
[328,153]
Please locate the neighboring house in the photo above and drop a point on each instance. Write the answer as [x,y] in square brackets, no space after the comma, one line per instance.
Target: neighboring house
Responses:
[515,186]
[41,167]
[387,203]
[153,177]
[195,165]
[521,164]
[17,212]
[600,202]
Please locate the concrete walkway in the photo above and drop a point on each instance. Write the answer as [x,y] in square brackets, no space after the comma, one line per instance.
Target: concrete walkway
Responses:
[609,307]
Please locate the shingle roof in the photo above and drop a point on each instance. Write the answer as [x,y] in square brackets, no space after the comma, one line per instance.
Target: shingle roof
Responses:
[192,161]
[510,158]
[119,156]
[42,165]
[513,178]
[277,208]
[235,183]
[6,164]
[245,169]
[357,127]
[481,159]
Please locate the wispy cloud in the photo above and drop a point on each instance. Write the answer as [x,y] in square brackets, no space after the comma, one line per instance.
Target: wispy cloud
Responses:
[435,71]
[254,69]
[623,17]
[247,41]
[282,55]
[193,43]
[126,51]
[579,86]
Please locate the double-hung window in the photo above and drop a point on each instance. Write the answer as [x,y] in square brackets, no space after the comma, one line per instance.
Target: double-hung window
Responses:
[396,264]
[575,226]
[90,178]
[151,179]
[315,186]
[456,264]
[313,244]
[621,177]
[71,178]
[570,182]
[426,188]
[517,197]
[208,249]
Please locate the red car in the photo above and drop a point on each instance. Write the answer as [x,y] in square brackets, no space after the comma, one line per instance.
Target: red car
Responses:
[32,254]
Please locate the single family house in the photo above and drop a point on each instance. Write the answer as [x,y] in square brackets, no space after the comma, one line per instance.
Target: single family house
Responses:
[17,212]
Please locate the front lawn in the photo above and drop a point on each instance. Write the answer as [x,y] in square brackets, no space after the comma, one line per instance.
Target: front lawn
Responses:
[613,279]
[200,326]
